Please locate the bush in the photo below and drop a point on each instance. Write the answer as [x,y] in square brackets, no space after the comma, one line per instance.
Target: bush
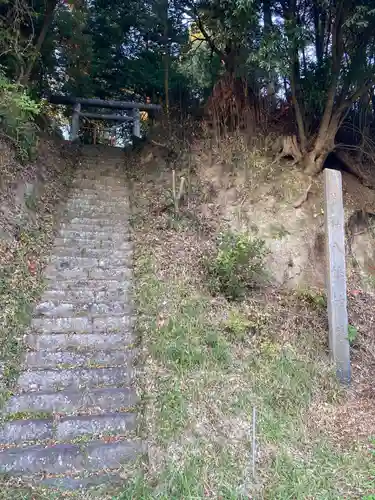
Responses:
[17,114]
[237,265]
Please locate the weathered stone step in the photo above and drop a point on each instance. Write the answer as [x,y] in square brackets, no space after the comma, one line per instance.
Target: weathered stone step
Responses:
[91,176]
[95,234]
[20,431]
[73,379]
[99,285]
[78,273]
[95,425]
[97,184]
[68,309]
[88,252]
[81,295]
[88,203]
[124,261]
[120,227]
[67,428]
[94,400]
[78,342]
[98,190]
[99,243]
[69,359]
[83,324]
[61,262]
[119,273]
[97,222]
[95,212]
[83,482]
[69,458]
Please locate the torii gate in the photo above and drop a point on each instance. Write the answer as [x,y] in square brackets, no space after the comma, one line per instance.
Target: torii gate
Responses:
[78,102]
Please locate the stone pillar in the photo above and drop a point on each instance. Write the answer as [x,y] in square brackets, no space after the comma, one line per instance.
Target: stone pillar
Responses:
[74,131]
[336,274]
[136,123]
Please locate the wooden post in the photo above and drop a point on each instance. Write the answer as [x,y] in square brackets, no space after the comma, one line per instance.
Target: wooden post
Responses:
[74,131]
[336,274]
[136,123]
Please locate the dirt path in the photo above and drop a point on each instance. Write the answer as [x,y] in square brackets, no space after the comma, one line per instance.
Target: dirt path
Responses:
[71,421]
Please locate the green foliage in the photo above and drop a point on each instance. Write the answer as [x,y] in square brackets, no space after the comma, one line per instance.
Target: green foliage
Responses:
[314,298]
[237,265]
[17,113]
[352,334]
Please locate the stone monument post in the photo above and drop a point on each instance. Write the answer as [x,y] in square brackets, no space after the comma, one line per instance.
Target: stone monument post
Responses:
[336,274]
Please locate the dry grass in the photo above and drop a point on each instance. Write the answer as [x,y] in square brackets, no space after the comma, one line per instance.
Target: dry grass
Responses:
[208,362]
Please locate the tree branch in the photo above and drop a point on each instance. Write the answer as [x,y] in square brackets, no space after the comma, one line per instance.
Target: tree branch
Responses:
[208,38]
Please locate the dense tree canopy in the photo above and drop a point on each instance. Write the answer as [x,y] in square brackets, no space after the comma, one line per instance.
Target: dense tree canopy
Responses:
[316,56]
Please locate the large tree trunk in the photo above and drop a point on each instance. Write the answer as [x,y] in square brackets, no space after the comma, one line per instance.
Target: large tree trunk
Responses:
[48,18]
[272,76]
[166,56]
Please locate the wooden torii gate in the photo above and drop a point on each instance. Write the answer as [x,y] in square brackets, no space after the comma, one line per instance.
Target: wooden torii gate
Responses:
[77,102]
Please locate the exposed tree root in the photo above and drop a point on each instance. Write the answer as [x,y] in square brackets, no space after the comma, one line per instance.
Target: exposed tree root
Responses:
[301,200]
[288,146]
[355,167]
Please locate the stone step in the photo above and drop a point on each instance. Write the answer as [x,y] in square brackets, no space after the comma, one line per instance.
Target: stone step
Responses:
[119,227]
[98,199]
[83,482]
[73,379]
[69,458]
[114,273]
[106,212]
[69,359]
[89,252]
[52,273]
[77,190]
[84,245]
[60,262]
[98,204]
[111,324]
[98,191]
[68,402]
[21,431]
[92,296]
[95,425]
[96,222]
[100,285]
[78,342]
[83,324]
[68,309]
[94,235]
[56,275]
[91,176]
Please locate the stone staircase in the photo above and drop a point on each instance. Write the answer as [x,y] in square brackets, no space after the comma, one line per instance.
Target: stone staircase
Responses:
[71,422]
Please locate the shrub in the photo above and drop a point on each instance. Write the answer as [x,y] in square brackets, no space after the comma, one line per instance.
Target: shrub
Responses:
[237,265]
[17,113]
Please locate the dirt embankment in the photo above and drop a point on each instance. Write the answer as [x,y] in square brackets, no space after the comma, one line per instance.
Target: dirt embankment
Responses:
[239,187]
[29,197]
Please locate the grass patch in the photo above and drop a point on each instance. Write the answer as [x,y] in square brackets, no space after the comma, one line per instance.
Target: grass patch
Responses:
[210,363]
